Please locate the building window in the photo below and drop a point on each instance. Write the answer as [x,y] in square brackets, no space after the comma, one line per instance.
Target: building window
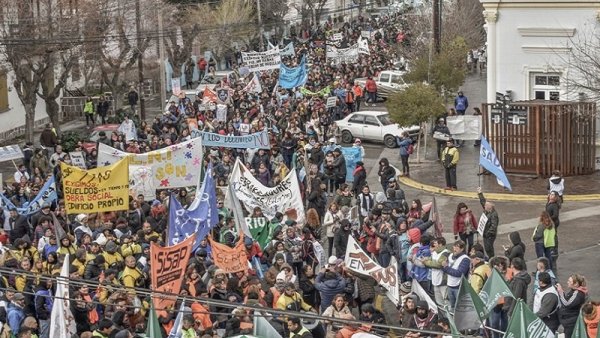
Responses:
[3,92]
[545,86]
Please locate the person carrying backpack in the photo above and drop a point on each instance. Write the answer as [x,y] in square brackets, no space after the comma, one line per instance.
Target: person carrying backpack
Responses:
[406,149]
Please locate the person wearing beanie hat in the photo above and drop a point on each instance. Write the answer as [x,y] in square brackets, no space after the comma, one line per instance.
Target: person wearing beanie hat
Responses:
[423,319]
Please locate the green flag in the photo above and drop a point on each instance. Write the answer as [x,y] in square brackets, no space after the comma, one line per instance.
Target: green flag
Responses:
[580,328]
[494,288]
[469,307]
[446,314]
[153,327]
[261,230]
[524,323]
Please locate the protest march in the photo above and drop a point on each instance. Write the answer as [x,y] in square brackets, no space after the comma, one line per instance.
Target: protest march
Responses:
[240,214]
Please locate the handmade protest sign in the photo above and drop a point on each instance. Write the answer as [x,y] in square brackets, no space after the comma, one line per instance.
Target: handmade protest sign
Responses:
[11,152]
[481,225]
[284,197]
[77,159]
[175,166]
[230,260]
[96,190]
[259,61]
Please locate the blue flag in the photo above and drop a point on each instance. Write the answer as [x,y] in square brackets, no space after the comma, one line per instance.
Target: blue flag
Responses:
[293,77]
[352,155]
[46,195]
[198,219]
[489,160]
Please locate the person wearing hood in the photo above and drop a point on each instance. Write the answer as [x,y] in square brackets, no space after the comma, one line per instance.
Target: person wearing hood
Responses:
[66,246]
[275,269]
[329,283]
[423,319]
[556,183]
[518,285]
[517,247]
[340,239]
[111,256]
[571,302]
[385,172]
[81,227]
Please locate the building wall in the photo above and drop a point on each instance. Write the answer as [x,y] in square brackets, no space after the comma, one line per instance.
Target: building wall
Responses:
[535,38]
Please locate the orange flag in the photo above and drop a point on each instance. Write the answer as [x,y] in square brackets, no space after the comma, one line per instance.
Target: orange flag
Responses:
[209,96]
[230,259]
[168,269]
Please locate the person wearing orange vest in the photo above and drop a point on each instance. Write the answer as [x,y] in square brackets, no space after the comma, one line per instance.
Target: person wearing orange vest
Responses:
[358,95]
[591,318]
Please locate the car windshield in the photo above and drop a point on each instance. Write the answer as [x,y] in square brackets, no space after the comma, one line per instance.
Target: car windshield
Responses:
[385,120]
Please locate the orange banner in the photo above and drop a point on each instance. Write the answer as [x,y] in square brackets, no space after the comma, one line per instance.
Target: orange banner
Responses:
[230,259]
[168,269]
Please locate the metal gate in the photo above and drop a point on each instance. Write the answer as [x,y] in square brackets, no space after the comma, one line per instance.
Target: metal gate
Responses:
[538,137]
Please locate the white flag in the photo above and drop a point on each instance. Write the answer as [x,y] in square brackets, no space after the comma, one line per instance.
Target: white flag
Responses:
[363,46]
[254,85]
[62,322]
[176,330]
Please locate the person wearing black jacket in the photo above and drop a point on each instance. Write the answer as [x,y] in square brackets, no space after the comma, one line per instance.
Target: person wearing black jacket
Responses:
[18,224]
[80,310]
[94,268]
[518,285]
[491,226]
[385,173]
[571,302]
[340,238]
[553,208]
[517,248]
[43,306]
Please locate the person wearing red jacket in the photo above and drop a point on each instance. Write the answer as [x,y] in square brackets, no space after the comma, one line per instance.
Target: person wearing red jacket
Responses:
[465,225]
[371,88]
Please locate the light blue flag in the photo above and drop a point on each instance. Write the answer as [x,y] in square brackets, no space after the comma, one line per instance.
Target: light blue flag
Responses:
[352,155]
[489,160]
[201,216]
[46,195]
[176,330]
[292,77]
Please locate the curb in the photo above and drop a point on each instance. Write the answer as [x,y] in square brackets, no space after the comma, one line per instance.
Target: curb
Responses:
[492,196]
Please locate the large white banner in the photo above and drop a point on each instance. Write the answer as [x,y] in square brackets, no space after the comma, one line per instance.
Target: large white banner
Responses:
[175,166]
[358,261]
[339,55]
[284,197]
[464,127]
[258,61]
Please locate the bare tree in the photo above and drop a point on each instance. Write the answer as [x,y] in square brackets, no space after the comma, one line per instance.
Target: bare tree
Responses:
[310,10]
[463,18]
[229,22]
[583,61]
[35,38]
[184,29]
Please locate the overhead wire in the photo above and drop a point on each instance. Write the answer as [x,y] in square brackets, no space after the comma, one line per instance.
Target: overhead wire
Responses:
[70,282]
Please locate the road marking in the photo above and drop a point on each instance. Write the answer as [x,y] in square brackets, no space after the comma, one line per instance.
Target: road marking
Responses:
[493,196]
[564,217]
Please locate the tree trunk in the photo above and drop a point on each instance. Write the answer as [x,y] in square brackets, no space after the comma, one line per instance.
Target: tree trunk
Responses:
[29,119]
[53,111]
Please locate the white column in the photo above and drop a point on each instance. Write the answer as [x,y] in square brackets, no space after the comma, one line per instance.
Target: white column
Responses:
[491,16]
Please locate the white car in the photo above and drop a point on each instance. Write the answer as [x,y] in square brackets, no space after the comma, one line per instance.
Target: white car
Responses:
[373,126]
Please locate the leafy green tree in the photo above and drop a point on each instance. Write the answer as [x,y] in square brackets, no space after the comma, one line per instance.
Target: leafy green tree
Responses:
[415,105]
[445,71]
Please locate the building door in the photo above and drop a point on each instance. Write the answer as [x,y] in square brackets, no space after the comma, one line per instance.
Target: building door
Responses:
[545,86]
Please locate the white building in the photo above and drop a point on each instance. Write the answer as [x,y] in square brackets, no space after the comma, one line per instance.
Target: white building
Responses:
[529,45]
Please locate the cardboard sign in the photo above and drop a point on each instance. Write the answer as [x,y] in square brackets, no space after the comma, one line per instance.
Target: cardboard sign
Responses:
[11,152]
[331,101]
[481,225]
[77,159]
[96,190]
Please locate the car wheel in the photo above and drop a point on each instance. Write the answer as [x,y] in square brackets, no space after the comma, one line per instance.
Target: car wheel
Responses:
[346,137]
[389,141]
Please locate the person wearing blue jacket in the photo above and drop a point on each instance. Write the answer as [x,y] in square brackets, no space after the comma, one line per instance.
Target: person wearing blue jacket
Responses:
[404,142]
[457,266]
[419,271]
[329,283]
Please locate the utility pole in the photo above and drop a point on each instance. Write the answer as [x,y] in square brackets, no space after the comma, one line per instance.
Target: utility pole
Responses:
[437,25]
[260,26]
[161,61]
[140,61]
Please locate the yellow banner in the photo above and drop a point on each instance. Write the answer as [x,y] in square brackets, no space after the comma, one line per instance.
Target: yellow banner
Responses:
[96,190]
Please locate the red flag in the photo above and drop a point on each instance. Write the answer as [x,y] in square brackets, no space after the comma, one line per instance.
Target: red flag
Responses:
[209,96]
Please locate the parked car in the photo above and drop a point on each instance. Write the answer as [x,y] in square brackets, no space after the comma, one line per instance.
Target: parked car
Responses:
[388,82]
[92,141]
[373,126]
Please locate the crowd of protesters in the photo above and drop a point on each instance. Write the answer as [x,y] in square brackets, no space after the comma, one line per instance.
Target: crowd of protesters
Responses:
[109,251]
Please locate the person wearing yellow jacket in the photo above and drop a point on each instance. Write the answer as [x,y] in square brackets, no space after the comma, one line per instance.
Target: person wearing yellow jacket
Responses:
[88,111]
[480,271]
[450,158]
[132,276]
[112,258]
